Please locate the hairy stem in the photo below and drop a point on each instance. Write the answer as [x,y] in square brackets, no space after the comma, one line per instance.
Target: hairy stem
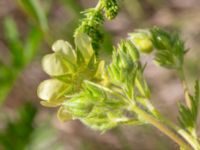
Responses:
[191,140]
[185,87]
[162,127]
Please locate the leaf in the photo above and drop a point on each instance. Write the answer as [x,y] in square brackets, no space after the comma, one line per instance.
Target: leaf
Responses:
[22,127]
[35,11]
[14,43]
[188,116]
[100,70]
[170,49]
[32,43]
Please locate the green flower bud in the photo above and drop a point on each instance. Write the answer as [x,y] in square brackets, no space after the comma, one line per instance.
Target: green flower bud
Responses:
[63,114]
[79,106]
[142,41]
[161,39]
[99,123]
[95,90]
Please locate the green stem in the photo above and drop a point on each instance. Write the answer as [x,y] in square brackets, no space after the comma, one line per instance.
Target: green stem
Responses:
[190,139]
[185,87]
[162,127]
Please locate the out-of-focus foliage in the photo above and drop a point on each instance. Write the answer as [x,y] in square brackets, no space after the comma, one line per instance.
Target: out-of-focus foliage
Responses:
[27,24]
[17,134]
[23,133]
[36,12]
[21,51]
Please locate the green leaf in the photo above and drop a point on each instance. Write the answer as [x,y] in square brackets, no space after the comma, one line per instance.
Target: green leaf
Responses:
[188,116]
[32,43]
[15,45]
[170,49]
[100,70]
[22,127]
[35,11]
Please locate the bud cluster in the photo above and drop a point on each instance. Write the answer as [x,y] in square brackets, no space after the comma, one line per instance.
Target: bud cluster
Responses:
[124,66]
[96,107]
[170,48]
[111,9]
[142,40]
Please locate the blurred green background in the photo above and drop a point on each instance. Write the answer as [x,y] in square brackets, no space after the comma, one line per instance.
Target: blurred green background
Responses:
[27,30]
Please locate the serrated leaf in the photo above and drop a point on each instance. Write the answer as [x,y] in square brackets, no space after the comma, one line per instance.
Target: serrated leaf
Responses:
[188,116]
[170,49]
[100,70]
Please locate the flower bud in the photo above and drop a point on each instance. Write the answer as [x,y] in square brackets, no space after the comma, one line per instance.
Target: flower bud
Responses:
[79,106]
[142,41]
[132,50]
[63,114]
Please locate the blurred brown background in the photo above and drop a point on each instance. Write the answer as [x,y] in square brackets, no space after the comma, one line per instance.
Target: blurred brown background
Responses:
[62,18]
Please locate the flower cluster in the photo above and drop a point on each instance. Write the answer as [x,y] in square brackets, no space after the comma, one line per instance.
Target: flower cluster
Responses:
[68,68]
[77,86]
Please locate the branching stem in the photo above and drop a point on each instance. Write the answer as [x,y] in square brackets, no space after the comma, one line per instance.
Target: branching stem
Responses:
[162,127]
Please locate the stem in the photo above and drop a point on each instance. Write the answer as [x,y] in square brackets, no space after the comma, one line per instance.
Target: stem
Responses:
[162,127]
[185,87]
[191,140]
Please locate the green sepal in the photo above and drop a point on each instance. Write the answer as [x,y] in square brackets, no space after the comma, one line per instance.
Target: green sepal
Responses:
[63,114]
